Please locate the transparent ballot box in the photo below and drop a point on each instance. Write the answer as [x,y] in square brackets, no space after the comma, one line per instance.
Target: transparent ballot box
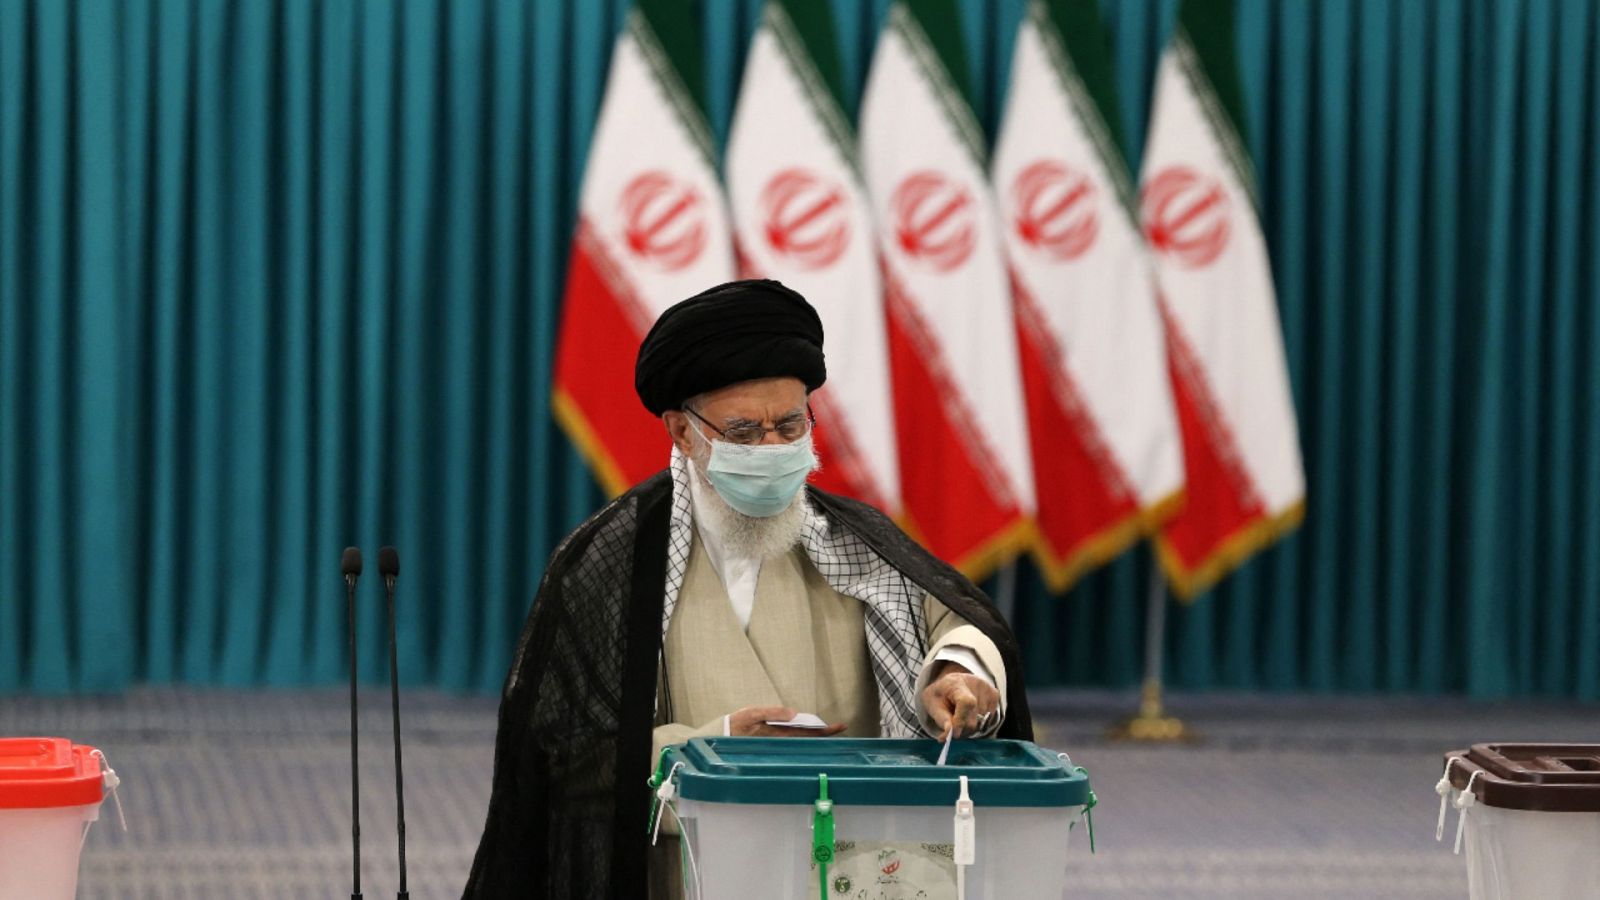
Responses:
[1529,819]
[871,819]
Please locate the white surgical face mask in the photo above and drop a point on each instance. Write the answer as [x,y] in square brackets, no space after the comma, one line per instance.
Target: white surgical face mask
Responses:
[758,480]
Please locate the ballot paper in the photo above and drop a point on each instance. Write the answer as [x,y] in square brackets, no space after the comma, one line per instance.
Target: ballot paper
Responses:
[945,753]
[801,720]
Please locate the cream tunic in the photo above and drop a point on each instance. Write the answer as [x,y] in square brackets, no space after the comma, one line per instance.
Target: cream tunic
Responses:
[806,648]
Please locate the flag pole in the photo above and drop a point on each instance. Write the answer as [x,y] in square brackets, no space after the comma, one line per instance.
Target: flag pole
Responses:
[1005,592]
[1152,724]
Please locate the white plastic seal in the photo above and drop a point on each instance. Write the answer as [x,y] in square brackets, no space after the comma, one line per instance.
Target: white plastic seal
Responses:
[1443,790]
[966,839]
[1465,801]
[112,782]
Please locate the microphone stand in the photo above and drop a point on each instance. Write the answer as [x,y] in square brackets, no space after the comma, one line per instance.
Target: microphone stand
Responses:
[394,699]
[355,771]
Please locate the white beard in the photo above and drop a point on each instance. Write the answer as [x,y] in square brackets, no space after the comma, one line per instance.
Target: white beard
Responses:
[750,537]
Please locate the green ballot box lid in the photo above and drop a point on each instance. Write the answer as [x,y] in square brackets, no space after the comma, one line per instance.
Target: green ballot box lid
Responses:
[873,772]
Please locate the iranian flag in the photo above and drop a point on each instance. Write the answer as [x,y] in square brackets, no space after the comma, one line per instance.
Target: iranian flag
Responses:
[1107,457]
[1245,484]
[802,217]
[965,476]
[652,230]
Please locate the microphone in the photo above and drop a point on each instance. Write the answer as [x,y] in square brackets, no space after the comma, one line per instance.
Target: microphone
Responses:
[389,568]
[350,564]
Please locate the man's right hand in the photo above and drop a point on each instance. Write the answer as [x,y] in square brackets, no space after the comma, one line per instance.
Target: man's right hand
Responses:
[752,722]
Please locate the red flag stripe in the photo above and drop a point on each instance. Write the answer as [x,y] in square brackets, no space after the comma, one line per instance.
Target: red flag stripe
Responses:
[956,501]
[844,470]
[1088,512]
[602,327]
[1223,519]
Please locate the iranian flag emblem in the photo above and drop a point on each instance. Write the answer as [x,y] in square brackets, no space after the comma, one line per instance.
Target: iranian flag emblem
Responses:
[664,221]
[935,220]
[806,219]
[1186,216]
[1056,209]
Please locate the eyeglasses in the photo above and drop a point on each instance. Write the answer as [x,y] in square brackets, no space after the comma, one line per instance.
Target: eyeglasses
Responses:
[789,430]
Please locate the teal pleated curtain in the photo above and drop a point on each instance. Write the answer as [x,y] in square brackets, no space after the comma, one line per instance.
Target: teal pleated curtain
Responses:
[279,277]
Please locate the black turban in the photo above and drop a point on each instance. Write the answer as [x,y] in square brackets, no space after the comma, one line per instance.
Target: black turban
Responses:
[733,332]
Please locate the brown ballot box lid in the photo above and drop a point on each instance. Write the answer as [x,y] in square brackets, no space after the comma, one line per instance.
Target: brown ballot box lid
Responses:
[1540,777]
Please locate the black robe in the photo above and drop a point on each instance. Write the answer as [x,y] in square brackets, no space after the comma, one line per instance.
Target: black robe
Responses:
[567,814]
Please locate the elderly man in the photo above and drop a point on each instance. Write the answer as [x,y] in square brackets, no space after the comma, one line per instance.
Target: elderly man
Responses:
[721,597]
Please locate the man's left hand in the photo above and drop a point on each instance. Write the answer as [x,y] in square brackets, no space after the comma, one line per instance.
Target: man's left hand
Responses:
[959,700]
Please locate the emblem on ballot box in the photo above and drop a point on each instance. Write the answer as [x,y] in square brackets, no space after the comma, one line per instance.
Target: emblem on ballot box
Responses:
[909,870]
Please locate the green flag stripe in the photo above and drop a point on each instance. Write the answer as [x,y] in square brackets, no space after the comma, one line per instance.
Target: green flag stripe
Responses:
[940,21]
[1197,76]
[659,56]
[936,68]
[677,34]
[811,22]
[1082,33]
[824,98]
[1209,25]
[1204,45]
[1096,109]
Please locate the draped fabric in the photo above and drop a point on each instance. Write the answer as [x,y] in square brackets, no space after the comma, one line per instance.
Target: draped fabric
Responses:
[280,277]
